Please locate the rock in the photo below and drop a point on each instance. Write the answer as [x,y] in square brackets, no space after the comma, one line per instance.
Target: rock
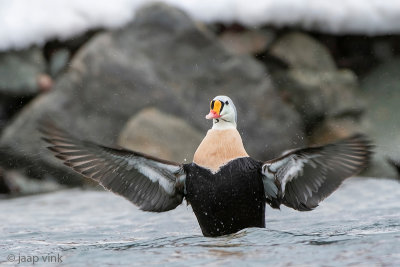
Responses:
[4,185]
[14,182]
[58,61]
[299,50]
[333,129]
[163,59]
[247,42]
[22,76]
[325,97]
[3,112]
[19,71]
[9,106]
[396,165]
[381,91]
[319,95]
[45,82]
[156,133]
[382,50]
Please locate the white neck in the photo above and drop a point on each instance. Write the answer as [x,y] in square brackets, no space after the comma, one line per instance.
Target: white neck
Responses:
[219,124]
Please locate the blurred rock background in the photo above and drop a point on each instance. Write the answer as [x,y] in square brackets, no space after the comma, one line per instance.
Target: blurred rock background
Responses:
[147,86]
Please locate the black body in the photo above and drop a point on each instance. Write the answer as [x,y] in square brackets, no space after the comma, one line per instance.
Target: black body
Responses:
[229,200]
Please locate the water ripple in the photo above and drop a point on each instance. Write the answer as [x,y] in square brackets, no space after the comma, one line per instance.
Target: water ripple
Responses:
[358,225]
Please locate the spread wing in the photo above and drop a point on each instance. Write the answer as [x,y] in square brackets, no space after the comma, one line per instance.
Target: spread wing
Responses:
[150,183]
[302,178]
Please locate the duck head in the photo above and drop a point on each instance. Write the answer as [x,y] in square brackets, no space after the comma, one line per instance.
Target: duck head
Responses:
[222,112]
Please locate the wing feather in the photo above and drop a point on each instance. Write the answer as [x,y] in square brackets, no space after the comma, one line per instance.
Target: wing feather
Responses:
[304,177]
[150,183]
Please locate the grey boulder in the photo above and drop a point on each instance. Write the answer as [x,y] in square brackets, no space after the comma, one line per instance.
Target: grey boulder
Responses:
[299,50]
[381,90]
[163,59]
[20,72]
[162,135]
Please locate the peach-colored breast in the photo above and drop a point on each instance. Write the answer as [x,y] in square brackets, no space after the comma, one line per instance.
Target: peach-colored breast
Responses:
[218,148]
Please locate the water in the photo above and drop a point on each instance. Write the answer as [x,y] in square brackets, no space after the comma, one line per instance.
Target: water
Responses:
[358,225]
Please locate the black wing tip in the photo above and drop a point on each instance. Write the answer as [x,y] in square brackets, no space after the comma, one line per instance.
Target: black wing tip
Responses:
[364,143]
[49,129]
[360,138]
[358,146]
[45,123]
[357,138]
[46,139]
[368,145]
[274,203]
[303,207]
[360,141]
[395,163]
[299,206]
[46,127]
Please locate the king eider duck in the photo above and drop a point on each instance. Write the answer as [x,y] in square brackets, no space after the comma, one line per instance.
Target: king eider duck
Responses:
[227,189]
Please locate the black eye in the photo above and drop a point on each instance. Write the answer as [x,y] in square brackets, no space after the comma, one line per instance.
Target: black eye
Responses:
[226,102]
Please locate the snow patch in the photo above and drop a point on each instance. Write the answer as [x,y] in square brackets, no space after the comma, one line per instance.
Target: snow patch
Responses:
[27,22]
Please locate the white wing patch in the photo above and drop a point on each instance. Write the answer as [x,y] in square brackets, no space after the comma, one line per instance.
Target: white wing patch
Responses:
[150,183]
[291,167]
[154,174]
[306,176]
[294,169]
[156,177]
[171,168]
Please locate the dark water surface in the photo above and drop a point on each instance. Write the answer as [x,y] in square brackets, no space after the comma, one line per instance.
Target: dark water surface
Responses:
[359,225]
